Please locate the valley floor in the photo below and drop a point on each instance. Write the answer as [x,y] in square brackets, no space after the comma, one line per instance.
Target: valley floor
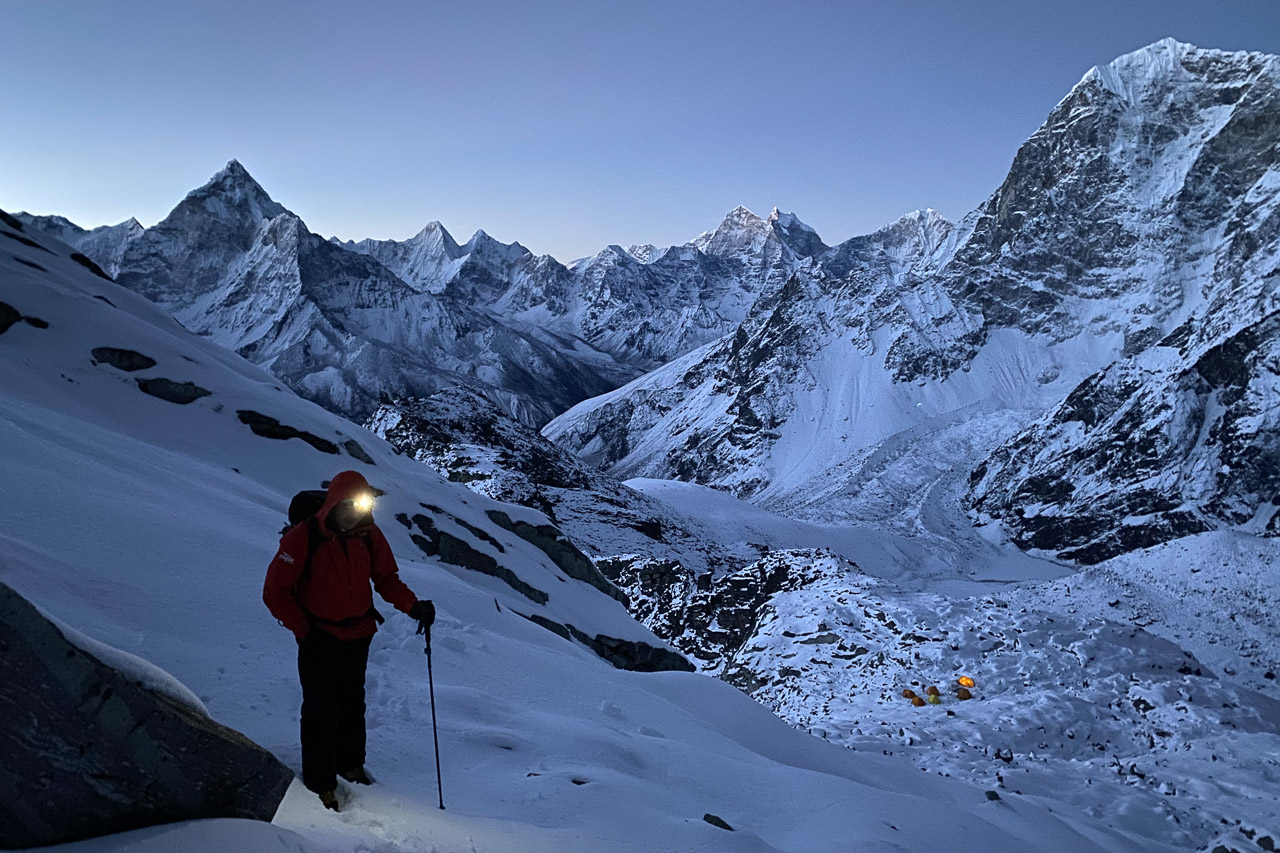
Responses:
[1142,690]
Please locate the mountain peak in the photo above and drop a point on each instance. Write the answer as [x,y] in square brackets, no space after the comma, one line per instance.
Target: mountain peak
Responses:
[742,214]
[434,231]
[1163,60]
[482,241]
[233,167]
[233,193]
[801,237]
[788,221]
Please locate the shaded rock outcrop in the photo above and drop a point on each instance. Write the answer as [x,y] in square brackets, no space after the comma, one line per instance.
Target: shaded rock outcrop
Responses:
[623,654]
[123,359]
[269,427]
[550,541]
[89,751]
[174,392]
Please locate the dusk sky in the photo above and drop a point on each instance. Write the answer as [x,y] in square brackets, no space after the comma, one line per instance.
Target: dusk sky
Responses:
[565,126]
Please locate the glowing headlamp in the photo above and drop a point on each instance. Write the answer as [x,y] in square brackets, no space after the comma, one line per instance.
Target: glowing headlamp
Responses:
[363,503]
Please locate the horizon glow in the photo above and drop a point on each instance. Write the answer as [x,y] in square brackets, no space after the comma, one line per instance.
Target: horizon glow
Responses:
[565,126]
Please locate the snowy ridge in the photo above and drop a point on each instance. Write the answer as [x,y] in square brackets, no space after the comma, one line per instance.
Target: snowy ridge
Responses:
[338,326]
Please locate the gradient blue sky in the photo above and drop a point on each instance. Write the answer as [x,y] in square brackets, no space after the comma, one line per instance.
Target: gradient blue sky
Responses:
[564,125]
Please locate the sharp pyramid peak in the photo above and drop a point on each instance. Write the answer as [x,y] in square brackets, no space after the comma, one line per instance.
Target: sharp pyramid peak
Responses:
[234,189]
[433,229]
[233,174]
[482,239]
[742,213]
[233,169]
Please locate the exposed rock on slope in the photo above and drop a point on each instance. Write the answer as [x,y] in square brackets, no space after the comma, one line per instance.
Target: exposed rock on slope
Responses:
[90,751]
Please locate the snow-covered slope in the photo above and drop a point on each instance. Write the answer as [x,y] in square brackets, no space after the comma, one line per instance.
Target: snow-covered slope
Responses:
[152,469]
[886,369]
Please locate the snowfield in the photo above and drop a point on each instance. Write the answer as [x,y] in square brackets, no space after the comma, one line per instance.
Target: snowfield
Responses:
[147,524]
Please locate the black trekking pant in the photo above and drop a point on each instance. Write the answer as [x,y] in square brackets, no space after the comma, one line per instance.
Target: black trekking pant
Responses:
[333,736]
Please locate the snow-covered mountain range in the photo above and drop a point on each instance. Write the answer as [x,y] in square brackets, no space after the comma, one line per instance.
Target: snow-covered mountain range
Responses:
[347,324]
[1118,283]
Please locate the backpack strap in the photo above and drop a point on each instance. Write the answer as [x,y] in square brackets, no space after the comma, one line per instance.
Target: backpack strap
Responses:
[313,542]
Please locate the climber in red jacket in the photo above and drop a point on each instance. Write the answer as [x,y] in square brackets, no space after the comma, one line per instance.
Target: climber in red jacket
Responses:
[318,587]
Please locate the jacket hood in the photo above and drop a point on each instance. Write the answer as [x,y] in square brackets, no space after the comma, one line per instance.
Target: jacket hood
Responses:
[347,484]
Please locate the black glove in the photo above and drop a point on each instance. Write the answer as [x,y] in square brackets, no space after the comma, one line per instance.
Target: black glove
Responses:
[424,612]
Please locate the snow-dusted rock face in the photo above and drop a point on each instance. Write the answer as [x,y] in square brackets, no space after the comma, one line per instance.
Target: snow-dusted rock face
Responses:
[1145,209]
[717,415]
[105,244]
[1180,436]
[1153,448]
[643,305]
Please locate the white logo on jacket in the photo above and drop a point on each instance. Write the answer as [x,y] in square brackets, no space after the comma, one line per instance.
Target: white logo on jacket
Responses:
[283,556]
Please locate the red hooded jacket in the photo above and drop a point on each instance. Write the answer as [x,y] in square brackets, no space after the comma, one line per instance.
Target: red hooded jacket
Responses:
[337,586]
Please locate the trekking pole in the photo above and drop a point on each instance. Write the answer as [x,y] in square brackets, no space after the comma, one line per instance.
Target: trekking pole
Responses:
[435,734]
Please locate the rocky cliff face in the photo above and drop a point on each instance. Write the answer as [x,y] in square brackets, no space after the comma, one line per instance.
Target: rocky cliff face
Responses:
[89,750]
[1153,448]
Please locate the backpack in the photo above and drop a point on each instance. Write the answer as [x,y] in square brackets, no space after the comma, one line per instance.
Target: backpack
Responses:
[303,509]
[305,504]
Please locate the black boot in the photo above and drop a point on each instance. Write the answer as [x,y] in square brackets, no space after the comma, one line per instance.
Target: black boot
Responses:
[330,800]
[356,775]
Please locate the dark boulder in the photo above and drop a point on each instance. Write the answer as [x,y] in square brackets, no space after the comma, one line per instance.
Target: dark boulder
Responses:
[354,449]
[631,655]
[89,751]
[123,359]
[173,392]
